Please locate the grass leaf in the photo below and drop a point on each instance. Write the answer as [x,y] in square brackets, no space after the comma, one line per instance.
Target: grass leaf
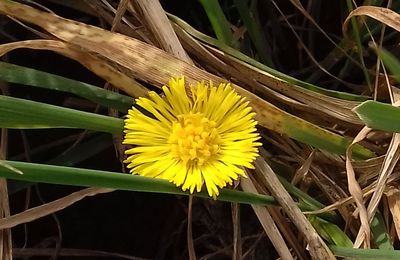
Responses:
[31,77]
[379,116]
[355,253]
[43,173]
[24,114]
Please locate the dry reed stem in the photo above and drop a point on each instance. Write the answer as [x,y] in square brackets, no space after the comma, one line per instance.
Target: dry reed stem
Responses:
[267,223]
[49,208]
[158,24]
[317,247]
[5,235]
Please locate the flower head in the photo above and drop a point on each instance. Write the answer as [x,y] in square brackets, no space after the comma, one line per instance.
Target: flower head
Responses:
[190,140]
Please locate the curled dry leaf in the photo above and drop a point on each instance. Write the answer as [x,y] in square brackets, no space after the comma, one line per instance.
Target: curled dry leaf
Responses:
[364,234]
[384,15]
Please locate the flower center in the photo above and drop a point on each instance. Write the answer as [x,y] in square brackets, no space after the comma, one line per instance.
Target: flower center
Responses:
[194,138]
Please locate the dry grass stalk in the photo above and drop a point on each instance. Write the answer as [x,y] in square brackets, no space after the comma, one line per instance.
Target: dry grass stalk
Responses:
[318,249]
[267,223]
[49,208]
[237,235]
[364,234]
[390,161]
[158,24]
[5,234]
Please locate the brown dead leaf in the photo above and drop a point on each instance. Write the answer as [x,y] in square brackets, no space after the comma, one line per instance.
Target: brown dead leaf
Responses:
[384,15]
[364,234]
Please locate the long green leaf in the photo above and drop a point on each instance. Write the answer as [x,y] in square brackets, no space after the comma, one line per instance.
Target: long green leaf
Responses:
[42,173]
[31,77]
[24,114]
[379,115]
[355,253]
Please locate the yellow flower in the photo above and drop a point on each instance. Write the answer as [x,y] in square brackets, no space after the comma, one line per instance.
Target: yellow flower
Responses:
[190,140]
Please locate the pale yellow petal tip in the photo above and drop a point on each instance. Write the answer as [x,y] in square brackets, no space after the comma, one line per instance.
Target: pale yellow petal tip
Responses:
[192,141]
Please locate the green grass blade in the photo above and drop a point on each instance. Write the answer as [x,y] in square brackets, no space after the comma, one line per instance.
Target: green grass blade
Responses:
[24,114]
[257,36]
[355,253]
[357,38]
[308,133]
[35,78]
[330,232]
[219,22]
[293,190]
[379,116]
[42,173]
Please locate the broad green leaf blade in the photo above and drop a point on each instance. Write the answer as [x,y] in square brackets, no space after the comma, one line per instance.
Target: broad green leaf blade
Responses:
[24,114]
[379,116]
[355,253]
[330,232]
[31,77]
[42,173]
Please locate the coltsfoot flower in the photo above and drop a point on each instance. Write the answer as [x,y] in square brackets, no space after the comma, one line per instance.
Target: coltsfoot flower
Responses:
[204,138]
